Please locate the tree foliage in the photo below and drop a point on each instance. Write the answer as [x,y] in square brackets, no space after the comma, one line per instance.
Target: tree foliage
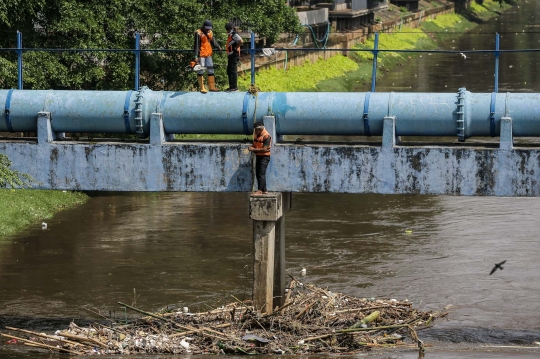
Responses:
[112,24]
[12,178]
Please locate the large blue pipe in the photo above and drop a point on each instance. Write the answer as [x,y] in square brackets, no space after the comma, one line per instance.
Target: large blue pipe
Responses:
[297,113]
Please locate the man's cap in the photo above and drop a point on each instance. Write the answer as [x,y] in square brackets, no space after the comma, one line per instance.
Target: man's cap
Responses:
[229,26]
[207,24]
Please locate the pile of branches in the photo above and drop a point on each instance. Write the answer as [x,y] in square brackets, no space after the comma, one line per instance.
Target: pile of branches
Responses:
[312,320]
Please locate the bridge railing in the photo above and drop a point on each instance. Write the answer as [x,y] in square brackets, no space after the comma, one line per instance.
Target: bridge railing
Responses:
[252,51]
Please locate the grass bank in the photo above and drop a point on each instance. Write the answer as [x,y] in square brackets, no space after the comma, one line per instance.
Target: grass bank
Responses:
[20,208]
[353,73]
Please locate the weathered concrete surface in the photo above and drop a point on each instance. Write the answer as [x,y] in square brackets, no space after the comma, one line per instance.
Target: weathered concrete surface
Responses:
[293,168]
[266,207]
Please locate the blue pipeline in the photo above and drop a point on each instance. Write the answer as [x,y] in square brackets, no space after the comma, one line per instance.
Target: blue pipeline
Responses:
[297,113]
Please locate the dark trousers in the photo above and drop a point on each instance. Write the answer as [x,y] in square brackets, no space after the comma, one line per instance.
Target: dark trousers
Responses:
[232,73]
[260,171]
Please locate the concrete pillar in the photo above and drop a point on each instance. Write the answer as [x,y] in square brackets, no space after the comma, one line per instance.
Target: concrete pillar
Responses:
[270,125]
[157,132]
[267,211]
[507,139]
[389,139]
[280,279]
[45,133]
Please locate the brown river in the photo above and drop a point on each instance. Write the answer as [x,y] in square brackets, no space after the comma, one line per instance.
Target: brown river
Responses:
[188,249]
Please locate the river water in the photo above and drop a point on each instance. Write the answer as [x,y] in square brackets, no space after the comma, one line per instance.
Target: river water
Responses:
[192,249]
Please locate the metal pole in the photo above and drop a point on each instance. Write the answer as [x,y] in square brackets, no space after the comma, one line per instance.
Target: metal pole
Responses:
[497,55]
[19,61]
[252,52]
[137,59]
[375,53]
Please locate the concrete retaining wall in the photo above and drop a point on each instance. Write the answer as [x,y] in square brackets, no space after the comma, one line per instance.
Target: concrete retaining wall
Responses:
[220,167]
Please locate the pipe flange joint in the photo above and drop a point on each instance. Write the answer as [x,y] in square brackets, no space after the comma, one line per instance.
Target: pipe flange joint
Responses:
[461,114]
[139,125]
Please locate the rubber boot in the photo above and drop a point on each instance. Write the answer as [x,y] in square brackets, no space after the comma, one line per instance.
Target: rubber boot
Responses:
[212,83]
[201,83]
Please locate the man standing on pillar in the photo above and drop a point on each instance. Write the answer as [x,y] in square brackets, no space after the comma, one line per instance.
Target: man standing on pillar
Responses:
[261,147]
[204,40]
[234,43]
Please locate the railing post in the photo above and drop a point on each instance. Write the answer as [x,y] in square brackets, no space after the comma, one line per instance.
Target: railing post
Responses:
[497,54]
[252,52]
[19,61]
[137,59]
[375,53]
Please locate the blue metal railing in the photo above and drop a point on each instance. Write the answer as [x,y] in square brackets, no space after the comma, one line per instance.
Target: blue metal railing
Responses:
[19,50]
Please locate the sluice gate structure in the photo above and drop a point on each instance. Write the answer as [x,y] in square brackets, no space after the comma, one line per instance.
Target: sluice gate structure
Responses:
[157,162]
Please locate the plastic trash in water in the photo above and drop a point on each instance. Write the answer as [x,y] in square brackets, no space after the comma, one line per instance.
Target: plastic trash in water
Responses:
[408,231]
[185,310]
[185,345]
[303,272]
[12,341]
[43,225]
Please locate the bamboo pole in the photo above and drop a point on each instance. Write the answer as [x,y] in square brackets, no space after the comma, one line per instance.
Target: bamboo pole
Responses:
[185,327]
[84,339]
[43,335]
[33,343]
[357,330]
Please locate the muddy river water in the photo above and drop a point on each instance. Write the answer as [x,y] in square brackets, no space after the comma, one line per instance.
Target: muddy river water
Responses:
[188,249]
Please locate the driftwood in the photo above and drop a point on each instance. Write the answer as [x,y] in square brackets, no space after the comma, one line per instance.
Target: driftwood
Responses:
[312,320]
[37,344]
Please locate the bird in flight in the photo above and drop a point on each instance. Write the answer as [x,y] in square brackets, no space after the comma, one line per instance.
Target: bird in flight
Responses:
[497,265]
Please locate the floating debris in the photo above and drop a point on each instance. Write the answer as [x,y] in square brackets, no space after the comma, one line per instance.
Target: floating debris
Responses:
[312,320]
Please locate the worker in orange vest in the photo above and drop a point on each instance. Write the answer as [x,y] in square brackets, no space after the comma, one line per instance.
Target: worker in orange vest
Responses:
[262,142]
[204,40]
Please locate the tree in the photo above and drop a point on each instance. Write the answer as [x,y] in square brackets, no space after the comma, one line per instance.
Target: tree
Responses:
[12,178]
[111,24]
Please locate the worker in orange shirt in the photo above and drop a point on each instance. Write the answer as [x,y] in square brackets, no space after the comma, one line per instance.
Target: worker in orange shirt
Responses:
[262,142]
[204,41]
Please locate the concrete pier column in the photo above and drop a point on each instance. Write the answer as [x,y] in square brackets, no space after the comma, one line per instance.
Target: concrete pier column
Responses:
[45,133]
[267,212]
[280,279]
[507,137]
[389,139]
[157,132]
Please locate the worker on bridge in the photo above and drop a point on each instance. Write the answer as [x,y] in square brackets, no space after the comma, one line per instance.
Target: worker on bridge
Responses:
[204,40]
[261,147]
[234,44]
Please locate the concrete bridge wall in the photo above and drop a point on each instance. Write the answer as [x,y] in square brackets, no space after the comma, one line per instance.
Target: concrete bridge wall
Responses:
[172,166]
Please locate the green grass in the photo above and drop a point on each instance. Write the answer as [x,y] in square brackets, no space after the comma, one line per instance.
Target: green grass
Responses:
[20,208]
[300,78]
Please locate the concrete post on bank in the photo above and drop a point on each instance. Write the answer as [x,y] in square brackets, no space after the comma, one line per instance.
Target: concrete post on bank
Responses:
[267,212]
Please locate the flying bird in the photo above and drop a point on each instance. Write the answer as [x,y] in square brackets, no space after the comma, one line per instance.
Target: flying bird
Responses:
[464,56]
[497,265]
